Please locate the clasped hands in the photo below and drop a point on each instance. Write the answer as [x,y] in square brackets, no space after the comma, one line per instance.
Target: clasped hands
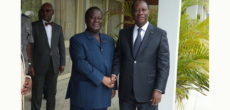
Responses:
[109,81]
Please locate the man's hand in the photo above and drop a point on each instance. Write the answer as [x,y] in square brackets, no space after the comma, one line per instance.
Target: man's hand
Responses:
[27,86]
[113,78]
[61,69]
[28,83]
[156,97]
[113,93]
[31,71]
[108,82]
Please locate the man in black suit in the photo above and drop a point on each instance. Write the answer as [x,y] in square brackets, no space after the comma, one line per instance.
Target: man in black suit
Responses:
[142,59]
[48,54]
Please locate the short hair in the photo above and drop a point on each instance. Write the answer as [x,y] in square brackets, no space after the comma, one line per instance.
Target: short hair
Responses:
[89,11]
[45,5]
[134,4]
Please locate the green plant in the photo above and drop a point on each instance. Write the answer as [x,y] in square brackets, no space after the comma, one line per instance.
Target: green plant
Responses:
[193,58]
[193,54]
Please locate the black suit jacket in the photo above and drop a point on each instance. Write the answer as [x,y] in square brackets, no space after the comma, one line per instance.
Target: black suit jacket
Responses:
[42,53]
[148,70]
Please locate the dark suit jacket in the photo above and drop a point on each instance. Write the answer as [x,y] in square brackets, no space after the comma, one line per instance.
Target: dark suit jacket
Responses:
[148,70]
[41,52]
[91,61]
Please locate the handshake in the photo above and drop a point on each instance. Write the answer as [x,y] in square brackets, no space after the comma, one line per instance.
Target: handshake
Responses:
[109,81]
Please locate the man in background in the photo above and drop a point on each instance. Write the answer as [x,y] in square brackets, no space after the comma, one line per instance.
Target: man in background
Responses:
[48,57]
[26,39]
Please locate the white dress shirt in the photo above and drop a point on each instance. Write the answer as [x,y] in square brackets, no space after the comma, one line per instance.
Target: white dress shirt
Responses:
[143,30]
[48,29]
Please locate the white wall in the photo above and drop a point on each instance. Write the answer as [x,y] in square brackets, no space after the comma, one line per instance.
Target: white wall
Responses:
[197,101]
[10,80]
[169,20]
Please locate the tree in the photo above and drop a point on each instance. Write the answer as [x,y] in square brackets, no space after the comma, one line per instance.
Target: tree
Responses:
[193,54]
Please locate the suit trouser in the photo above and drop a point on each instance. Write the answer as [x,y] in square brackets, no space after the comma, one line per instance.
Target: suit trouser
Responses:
[37,88]
[132,104]
[72,108]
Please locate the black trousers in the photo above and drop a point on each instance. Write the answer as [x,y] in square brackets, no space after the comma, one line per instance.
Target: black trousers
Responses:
[37,88]
[132,104]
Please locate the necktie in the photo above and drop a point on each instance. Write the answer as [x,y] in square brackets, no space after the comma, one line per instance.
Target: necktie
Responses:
[48,23]
[137,42]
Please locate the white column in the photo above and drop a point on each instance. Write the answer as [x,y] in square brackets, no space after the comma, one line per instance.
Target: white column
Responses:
[169,20]
[10,60]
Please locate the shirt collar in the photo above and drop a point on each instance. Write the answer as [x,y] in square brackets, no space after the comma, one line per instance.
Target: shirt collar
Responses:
[144,28]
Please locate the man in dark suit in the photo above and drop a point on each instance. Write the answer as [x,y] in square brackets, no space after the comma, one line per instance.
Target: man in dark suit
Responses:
[142,59]
[48,54]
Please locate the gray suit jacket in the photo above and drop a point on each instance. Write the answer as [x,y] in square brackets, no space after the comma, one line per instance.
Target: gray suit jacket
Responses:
[148,70]
[26,37]
[42,53]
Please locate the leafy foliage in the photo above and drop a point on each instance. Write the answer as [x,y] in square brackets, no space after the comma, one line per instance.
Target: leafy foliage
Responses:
[193,58]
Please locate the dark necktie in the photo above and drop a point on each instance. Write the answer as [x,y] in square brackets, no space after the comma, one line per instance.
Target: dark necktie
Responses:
[48,23]
[137,42]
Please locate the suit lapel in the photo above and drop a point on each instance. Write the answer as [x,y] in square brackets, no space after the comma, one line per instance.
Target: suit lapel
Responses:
[130,39]
[149,34]
[54,32]
[92,38]
[43,33]
[103,39]
[103,46]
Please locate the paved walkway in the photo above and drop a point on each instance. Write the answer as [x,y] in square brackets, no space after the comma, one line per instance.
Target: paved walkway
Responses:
[61,103]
